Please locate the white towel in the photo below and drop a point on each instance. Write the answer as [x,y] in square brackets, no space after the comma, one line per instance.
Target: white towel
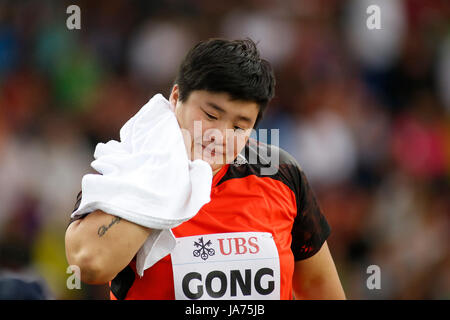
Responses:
[147,178]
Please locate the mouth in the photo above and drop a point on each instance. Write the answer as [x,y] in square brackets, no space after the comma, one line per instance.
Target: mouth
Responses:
[211,151]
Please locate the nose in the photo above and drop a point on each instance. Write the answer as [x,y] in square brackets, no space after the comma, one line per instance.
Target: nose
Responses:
[214,135]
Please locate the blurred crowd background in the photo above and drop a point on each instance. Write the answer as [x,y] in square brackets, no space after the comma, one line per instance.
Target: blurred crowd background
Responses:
[365,112]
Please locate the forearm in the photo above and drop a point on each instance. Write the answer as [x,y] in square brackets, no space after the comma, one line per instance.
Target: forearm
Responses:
[319,289]
[102,245]
[316,278]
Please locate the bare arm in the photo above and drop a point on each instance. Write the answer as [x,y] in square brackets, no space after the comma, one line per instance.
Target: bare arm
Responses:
[316,278]
[102,245]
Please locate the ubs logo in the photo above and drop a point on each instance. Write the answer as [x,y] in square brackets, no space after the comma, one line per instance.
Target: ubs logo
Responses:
[203,250]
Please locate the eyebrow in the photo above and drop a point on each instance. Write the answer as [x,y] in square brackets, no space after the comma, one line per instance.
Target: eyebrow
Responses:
[221,110]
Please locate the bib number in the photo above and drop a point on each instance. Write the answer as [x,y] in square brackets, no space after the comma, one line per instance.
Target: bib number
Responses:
[241,265]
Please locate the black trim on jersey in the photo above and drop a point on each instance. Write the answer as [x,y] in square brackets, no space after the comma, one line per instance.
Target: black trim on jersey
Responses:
[122,283]
[256,150]
[77,205]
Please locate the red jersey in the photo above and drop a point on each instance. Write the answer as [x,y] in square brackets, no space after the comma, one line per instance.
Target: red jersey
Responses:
[242,244]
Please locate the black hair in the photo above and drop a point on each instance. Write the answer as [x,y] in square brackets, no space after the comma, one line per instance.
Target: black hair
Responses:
[227,66]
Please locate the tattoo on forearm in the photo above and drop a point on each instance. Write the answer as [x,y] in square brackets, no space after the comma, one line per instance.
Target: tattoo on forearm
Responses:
[102,230]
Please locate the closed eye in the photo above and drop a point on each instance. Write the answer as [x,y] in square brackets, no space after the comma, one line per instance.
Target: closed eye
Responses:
[211,117]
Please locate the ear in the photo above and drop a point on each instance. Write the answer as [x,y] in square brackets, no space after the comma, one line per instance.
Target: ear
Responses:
[173,99]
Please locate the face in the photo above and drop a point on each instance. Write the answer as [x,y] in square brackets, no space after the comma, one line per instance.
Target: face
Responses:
[215,128]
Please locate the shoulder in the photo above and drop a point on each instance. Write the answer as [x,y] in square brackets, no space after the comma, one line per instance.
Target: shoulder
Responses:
[266,161]
[268,153]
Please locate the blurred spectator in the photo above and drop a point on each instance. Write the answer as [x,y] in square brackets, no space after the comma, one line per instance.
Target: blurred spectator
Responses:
[264,27]
[156,51]
[325,148]
[378,48]
[443,73]
[18,289]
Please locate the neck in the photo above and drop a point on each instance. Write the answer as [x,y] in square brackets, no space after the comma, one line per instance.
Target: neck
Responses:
[216,170]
